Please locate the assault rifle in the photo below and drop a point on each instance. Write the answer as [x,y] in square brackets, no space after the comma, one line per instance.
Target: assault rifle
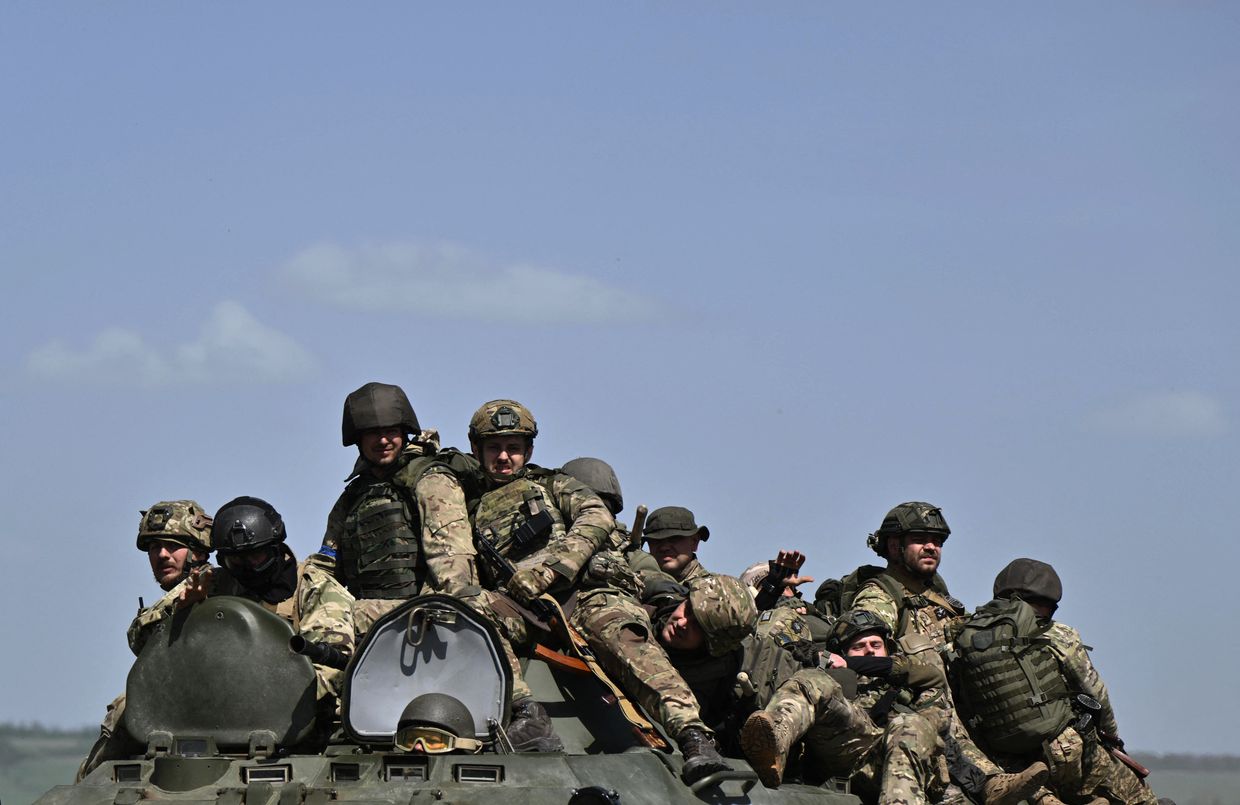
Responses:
[1092,709]
[1116,747]
[548,610]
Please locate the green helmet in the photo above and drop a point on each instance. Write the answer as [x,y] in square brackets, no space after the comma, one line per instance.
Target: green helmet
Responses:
[183,522]
[600,477]
[502,418]
[1029,578]
[673,521]
[854,623]
[907,518]
[438,710]
[725,610]
[376,405]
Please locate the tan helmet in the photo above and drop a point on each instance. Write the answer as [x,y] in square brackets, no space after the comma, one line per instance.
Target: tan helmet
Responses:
[502,418]
[725,610]
[755,574]
[183,522]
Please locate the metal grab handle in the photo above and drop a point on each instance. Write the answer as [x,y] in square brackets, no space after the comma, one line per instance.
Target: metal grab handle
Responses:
[430,615]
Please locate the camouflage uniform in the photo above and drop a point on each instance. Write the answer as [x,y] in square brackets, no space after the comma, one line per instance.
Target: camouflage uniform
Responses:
[320,610]
[926,609]
[647,568]
[183,522]
[431,506]
[580,526]
[787,624]
[1080,767]
[886,740]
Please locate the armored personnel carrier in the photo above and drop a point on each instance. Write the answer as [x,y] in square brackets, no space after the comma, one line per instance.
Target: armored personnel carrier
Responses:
[221,710]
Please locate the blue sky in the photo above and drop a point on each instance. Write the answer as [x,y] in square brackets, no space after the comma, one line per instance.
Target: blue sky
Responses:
[787,267]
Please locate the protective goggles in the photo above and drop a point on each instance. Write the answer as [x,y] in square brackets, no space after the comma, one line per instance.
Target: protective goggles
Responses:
[433,741]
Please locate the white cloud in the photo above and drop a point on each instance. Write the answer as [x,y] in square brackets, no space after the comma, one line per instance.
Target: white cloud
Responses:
[231,339]
[1165,414]
[452,281]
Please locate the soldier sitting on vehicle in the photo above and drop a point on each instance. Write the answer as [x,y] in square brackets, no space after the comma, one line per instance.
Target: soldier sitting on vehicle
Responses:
[618,628]
[785,617]
[1029,691]
[176,537]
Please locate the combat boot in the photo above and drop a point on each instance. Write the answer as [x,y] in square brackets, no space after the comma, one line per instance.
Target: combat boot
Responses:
[1043,796]
[701,756]
[1008,789]
[530,730]
[766,742]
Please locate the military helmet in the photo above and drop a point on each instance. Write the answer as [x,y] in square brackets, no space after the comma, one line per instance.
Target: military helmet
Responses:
[854,623]
[502,418]
[673,521]
[246,524]
[755,574]
[183,522]
[1029,578]
[600,477]
[907,518]
[724,609]
[438,710]
[376,405]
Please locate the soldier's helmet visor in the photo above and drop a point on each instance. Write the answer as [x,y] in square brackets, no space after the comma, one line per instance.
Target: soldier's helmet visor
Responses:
[433,741]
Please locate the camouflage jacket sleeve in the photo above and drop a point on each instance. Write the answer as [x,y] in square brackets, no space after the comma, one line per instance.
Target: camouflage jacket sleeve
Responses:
[1080,672]
[590,525]
[324,611]
[146,620]
[447,537]
[873,598]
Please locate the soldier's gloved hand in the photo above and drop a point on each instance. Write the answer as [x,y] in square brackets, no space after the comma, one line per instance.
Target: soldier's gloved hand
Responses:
[528,584]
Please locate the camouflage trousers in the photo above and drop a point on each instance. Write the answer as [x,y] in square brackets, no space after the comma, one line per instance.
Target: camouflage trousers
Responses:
[1081,769]
[622,638]
[897,763]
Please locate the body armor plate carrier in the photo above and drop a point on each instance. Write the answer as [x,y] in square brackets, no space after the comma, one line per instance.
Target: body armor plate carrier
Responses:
[380,557]
[1008,680]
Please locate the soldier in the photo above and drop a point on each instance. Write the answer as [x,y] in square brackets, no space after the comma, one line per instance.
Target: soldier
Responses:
[401,526]
[672,537]
[621,635]
[874,720]
[248,536]
[912,599]
[1052,705]
[785,617]
[544,522]
[176,537]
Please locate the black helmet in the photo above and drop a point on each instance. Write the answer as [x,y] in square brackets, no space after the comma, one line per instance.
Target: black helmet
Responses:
[600,477]
[1029,578]
[246,524]
[907,518]
[376,405]
[853,623]
[436,722]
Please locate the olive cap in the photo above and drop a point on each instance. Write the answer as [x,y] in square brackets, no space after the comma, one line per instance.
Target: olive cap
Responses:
[376,405]
[724,609]
[1029,578]
[502,418]
[600,477]
[183,522]
[673,521]
[907,518]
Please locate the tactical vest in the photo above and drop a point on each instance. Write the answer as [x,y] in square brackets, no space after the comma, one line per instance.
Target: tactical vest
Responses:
[520,517]
[945,607]
[380,557]
[1008,681]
